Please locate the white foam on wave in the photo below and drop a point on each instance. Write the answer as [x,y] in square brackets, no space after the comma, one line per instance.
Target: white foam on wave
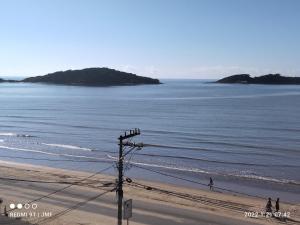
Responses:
[24,135]
[14,134]
[54,154]
[68,147]
[1,141]
[165,167]
[195,170]
[26,150]
[8,134]
[114,159]
[256,177]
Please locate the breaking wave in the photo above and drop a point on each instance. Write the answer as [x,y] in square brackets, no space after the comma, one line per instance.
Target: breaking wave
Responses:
[15,135]
[68,147]
[196,170]
[54,154]
[8,134]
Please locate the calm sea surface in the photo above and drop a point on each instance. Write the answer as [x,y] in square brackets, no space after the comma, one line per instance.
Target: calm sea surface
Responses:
[246,137]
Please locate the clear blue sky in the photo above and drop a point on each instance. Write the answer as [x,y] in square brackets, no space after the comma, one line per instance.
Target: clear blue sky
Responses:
[159,38]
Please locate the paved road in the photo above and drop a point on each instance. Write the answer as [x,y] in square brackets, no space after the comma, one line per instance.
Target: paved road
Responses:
[8,221]
[143,213]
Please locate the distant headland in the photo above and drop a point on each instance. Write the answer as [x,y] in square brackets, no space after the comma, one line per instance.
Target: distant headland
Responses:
[96,77]
[275,79]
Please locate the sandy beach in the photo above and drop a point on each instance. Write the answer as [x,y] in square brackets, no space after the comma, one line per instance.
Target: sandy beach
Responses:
[62,199]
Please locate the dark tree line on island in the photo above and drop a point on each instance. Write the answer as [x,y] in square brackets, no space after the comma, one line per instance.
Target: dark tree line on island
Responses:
[89,77]
[265,79]
[110,77]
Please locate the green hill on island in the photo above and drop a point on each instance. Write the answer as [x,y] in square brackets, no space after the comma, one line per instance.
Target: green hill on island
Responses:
[265,79]
[92,77]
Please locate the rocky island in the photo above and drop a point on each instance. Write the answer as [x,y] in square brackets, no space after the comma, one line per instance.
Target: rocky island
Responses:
[265,79]
[7,81]
[97,77]
[92,77]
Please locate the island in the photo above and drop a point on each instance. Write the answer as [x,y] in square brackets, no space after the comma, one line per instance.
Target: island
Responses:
[275,79]
[7,81]
[92,77]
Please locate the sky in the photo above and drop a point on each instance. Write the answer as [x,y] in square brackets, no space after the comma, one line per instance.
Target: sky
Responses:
[159,38]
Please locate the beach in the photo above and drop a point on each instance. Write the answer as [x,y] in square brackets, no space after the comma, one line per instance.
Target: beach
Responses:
[179,205]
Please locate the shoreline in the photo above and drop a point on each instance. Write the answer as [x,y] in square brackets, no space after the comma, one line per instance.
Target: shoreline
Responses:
[211,203]
[287,192]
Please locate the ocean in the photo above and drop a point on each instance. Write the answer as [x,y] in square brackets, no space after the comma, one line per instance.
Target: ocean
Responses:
[246,137]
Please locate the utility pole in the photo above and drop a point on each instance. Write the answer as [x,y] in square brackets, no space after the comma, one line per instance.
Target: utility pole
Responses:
[127,135]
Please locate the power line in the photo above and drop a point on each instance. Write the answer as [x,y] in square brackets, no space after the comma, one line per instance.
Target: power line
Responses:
[219,203]
[64,188]
[181,178]
[38,181]
[78,183]
[196,182]
[191,197]
[72,208]
[169,175]
[142,154]
[176,147]
[46,159]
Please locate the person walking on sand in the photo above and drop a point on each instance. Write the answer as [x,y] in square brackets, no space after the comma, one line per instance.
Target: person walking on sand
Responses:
[211,184]
[269,206]
[277,205]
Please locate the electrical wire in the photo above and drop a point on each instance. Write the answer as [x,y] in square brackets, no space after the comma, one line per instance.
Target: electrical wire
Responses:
[46,159]
[64,188]
[38,181]
[77,183]
[196,182]
[57,215]
[193,197]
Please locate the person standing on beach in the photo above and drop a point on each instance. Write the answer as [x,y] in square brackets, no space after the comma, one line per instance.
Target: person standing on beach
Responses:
[211,184]
[269,206]
[277,205]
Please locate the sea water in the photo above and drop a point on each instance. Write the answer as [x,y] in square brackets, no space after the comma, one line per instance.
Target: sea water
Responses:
[246,137]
